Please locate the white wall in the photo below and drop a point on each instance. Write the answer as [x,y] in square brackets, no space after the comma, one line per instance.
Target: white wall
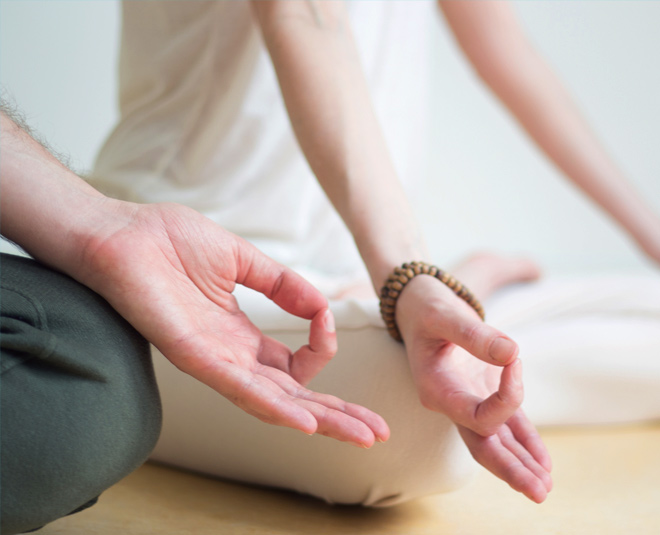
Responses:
[491,188]
[58,62]
[488,187]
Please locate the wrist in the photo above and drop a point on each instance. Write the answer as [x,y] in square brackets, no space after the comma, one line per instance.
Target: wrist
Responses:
[98,220]
[46,208]
[55,216]
[383,252]
[408,274]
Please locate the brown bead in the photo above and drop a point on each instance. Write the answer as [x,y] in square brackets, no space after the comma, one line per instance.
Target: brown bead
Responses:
[400,276]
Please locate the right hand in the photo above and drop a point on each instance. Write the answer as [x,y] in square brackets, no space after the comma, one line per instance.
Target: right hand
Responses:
[456,360]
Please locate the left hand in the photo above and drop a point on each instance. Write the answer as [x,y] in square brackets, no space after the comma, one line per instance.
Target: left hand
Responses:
[171,272]
[469,371]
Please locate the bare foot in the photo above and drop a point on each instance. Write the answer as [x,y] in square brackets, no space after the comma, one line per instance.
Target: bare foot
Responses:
[484,273]
[360,290]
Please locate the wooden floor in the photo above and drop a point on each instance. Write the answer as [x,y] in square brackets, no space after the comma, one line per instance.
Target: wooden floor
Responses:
[607,481]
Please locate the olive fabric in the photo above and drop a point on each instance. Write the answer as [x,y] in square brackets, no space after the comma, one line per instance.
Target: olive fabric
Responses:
[79,404]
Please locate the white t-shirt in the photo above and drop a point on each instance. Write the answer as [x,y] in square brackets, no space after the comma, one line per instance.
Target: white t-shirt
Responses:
[202,123]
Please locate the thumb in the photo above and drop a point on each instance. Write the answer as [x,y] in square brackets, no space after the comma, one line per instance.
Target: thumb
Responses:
[429,308]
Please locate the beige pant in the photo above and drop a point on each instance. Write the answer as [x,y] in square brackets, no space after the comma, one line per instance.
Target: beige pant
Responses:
[590,351]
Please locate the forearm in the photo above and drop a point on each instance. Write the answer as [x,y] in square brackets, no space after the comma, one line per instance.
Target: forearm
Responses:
[45,208]
[328,102]
[492,39]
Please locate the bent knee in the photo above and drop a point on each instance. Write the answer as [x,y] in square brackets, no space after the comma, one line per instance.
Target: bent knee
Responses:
[56,465]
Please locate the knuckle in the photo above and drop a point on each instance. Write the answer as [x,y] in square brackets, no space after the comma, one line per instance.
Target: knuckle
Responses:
[277,286]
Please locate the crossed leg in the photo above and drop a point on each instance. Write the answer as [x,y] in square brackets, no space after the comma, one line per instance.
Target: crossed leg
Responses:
[425,454]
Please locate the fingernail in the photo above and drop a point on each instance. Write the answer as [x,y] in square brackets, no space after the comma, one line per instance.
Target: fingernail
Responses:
[359,445]
[329,321]
[502,349]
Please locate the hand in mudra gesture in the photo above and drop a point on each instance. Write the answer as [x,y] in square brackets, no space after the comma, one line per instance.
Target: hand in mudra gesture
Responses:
[171,272]
[470,372]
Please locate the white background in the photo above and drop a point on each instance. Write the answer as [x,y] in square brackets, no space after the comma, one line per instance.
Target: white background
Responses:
[487,185]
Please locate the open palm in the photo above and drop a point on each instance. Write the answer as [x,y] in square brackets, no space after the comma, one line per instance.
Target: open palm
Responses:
[171,272]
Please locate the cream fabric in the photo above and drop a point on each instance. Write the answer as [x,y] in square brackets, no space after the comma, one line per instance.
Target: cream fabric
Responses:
[202,122]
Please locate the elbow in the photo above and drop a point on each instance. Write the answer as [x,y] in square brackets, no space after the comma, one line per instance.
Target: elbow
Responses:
[503,66]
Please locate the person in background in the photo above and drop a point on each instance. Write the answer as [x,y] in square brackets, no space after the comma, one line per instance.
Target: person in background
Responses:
[300,126]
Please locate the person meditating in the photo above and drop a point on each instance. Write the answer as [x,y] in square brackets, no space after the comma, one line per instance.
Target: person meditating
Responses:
[251,200]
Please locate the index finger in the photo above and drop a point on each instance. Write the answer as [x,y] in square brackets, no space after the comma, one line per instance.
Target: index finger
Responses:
[462,327]
[280,284]
[439,314]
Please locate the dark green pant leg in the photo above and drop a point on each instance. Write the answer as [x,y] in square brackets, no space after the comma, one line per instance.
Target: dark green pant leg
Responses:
[79,403]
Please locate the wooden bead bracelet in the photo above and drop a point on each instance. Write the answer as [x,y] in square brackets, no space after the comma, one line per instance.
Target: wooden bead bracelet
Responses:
[402,276]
